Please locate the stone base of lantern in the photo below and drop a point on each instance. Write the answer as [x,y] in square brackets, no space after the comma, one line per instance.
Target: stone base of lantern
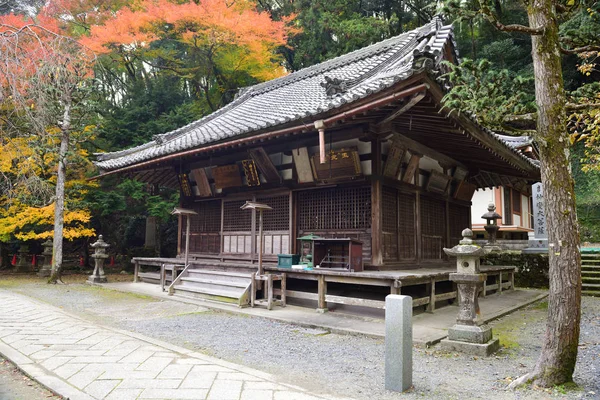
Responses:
[471,339]
[45,271]
[97,279]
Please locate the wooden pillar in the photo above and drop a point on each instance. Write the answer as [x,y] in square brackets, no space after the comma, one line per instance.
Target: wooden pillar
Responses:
[136,271]
[512,280]
[322,306]
[376,213]
[179,231]
[253,246]
[431,287]
[283,289]
[500,282]
[222,239]
[418,226]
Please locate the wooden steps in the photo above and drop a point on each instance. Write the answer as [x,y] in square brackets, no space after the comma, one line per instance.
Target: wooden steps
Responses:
[223,286]
[590,274]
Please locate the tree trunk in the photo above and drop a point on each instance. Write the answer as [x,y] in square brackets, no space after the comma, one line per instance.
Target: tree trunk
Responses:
[59,203]
[559,350]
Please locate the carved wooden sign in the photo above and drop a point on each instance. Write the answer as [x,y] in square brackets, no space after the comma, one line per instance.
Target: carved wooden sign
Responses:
[394,160]
[227,176]
[199,175]
[184,184]
[339,164]
[438,182]
[464,191]
[251,172]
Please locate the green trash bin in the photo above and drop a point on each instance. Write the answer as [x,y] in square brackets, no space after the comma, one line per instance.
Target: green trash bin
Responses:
[287,260]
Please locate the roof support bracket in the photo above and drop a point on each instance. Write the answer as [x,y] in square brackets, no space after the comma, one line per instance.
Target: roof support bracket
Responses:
[409,104]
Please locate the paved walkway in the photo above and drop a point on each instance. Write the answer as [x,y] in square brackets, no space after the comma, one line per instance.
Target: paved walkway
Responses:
[80,360]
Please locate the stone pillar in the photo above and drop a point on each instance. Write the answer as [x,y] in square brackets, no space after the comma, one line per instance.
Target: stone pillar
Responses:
[99,256]
[469,334]
[398,342]
[23,265]
[46,269]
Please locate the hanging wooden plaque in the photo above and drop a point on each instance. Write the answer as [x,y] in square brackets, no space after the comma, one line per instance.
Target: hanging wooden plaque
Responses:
[339,164]
[438,182]
[394,160]
[250,172]
[184,184]
[227,176]
[464,191]
[199,175]
[413,165]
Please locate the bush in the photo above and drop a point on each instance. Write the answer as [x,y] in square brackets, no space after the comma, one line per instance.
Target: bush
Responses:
[532,269]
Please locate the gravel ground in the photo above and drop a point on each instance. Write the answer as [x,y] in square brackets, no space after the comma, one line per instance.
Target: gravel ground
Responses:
[16,386]
[328,363]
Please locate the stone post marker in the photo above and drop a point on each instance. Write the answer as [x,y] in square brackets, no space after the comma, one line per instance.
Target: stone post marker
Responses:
[99,256]
[47,254]
[469,334]
[398,342]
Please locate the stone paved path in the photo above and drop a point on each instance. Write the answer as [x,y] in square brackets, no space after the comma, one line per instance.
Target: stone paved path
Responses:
[80,360]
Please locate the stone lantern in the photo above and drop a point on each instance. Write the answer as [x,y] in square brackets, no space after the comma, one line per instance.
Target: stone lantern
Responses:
[491,227]
[47,254]
[22,264]
[99,256]
[469,334]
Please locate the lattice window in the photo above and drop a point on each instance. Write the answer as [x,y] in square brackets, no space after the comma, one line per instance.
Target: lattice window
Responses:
[335,208]
[234,218]
[407,228]
[208,218]
[459,219]
[433,227]
[277,219]
[389,204]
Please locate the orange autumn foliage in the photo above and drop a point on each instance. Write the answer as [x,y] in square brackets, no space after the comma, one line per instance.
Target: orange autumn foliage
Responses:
[231,27]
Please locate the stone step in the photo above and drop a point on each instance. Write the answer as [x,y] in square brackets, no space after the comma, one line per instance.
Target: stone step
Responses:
[217,294]
[588,279]
[595,293]
[193,281]
[591,273]
[239,277]
[592,286]
[585,267]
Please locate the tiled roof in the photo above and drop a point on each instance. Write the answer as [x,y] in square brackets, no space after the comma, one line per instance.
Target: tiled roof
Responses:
[516,141]
[304,95]
[297,96]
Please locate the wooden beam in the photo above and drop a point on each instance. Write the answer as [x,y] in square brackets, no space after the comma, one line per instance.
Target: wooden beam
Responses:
[264,164]
[201,180]
[426,151]
[412,167]
[302,164]
[410,104]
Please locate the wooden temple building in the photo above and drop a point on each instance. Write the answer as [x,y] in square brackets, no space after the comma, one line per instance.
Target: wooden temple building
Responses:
[357,148]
